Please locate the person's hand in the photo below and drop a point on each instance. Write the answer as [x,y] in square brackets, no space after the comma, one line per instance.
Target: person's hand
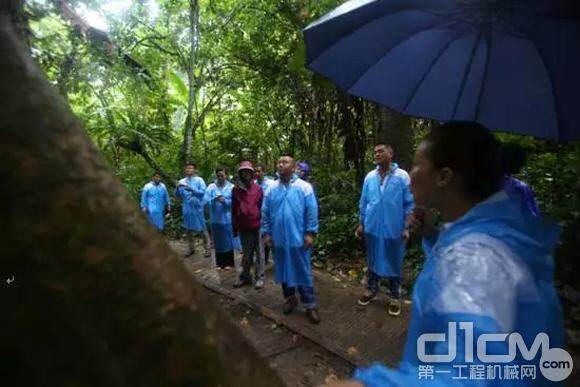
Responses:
[144,209]
[416,220]
[220,199]
[168,209]
[406,235]
[267,240]
[360,229]
[421,221]
[308,240]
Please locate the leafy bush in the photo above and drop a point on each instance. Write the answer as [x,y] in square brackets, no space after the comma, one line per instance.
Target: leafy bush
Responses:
[338,195]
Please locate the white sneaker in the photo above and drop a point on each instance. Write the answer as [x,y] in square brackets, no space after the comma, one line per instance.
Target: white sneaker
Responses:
[259,284]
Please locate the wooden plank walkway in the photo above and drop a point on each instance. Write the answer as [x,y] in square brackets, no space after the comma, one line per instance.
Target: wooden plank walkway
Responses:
[360,335]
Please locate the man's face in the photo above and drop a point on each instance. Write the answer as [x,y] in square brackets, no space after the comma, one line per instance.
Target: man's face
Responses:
[156,178]
[246,174]
[286,166]
[190,170]
[383,154]
[221,177]
[259,173]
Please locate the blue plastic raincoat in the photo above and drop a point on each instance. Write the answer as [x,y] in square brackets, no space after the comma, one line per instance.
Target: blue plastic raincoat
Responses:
[288,213]
[493,268]
[266,183]
[154,200]
[383,216]
[192,191]
[220,215]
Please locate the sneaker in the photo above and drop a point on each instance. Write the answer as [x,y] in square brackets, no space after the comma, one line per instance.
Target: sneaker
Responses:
[259,284]
[394,308]
[312,315]
[242,282]
[366,298]
[290,304]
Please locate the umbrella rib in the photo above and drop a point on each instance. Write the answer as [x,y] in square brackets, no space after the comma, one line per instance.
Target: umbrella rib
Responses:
[465,74]
[431,66]
[554,95]
[483,78]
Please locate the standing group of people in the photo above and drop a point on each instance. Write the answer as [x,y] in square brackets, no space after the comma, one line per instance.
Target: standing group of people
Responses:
[255,213]
[488,252]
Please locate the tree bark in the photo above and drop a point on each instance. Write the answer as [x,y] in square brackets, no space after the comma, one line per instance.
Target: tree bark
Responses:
[396,129]
[92,296]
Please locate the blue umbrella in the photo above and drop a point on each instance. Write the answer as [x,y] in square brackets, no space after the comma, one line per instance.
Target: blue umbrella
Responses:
[511,65]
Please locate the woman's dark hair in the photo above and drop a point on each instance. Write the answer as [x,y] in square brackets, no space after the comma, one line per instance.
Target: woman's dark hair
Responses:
[221,169]
[513,158]
[471,151]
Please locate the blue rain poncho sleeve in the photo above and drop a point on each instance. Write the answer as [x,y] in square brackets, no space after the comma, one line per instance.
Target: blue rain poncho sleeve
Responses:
[408,200]
[456,286]
[144,193]
[208,196]
[363,202]
[266,221]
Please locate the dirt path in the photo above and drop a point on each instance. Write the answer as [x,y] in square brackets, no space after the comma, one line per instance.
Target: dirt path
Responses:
[352,334]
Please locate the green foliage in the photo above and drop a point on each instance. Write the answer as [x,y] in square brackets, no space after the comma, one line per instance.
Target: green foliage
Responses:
[338,194]
[240,72]
[553,171]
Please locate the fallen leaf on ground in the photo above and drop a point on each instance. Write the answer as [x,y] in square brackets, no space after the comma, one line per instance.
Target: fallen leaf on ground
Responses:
[332,378]
[352,351]
[244,322]
[198,271]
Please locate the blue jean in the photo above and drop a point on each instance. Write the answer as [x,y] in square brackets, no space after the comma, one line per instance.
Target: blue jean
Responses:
[394,284]
[307,296]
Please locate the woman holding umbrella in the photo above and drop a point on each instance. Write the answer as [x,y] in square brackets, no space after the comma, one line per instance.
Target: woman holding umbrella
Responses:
[489,267]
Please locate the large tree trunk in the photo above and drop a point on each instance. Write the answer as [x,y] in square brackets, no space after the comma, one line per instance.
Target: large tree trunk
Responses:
[397,130]
[92,296]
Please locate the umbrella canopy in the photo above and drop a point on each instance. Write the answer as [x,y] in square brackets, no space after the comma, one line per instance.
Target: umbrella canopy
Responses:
[511,65]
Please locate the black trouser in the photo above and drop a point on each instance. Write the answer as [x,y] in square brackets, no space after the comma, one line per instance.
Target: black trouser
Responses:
[250,246]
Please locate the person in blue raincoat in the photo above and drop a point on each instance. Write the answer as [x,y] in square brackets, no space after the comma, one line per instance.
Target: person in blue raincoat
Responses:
[289,224]
[155,201]
[191,190]
[385,203]
[488,271]
[218,197]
